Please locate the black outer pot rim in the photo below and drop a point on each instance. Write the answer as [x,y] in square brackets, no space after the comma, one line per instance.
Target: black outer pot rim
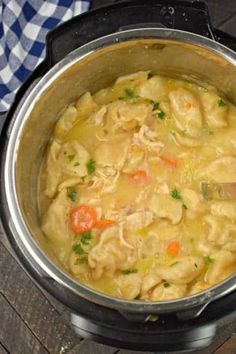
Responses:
[34,257]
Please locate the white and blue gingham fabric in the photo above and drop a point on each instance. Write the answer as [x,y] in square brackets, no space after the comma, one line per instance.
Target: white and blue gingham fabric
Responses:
[23,28]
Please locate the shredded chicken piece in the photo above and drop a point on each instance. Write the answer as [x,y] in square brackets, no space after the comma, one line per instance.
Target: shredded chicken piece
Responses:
[104,183]
[149,139]
[121,236]
[97,118]
[139,220]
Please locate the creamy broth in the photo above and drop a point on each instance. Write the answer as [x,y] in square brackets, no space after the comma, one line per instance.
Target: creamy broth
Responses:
[120,193]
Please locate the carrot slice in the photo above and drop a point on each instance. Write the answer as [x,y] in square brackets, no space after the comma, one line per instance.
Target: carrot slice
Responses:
[82,218]
[173,248]
[140,177]
[101,224]
[169,160]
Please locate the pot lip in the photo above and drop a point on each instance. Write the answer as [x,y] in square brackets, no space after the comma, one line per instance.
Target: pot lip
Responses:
[17,224]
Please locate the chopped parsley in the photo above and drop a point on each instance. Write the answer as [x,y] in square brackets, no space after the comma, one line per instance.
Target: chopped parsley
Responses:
[129,93]
[195,265]
[185,206]
[175,194]
[81,260]
[83,178]
[77,248]
[129,271]
[71,157]
[76,164]
[72,194]
[154,104]
[91,166]
[161,115]
[208,260]
[173,264]
[221,103]
[86,237]
[166,285]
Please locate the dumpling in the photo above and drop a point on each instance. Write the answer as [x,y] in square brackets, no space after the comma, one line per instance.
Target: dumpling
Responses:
[153,89]
[137,77]
[98,117]
[224,208]
[53,169]
[183,272]
[186,112]
[223,264]
[221,170]
[73,158]
[181,139]
[55,222]
[228,238]
[139,220]
[110,254]
[129,286]
[134,159]
[86,105]
[215,228]
[65,163]
[112,154]
[66,122]
[215,115]
[198,286]
[164,206]
[127,115]
[166,291]
[150,280]
[192,200]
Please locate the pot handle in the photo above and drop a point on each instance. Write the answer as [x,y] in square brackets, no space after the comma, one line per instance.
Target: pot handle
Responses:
[191,16]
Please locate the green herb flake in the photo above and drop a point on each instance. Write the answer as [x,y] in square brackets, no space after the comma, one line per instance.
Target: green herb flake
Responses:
[77,248]
[175,194]
[161,115]
[121,98]
[86,237]
[129,93]
[81,260]
[166,285]
[173,264]
[76,164]
[72,194]
[154,104]
[71,157]
[208,260]
[91,166]
[129,271]
[83,178]
[185,206]
[221,103]
[195,265]
[65,152]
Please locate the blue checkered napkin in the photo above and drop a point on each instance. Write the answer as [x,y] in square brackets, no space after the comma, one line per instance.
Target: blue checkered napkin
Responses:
[23,28]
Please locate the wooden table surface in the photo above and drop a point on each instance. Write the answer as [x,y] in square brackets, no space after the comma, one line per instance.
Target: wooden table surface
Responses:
[32,322]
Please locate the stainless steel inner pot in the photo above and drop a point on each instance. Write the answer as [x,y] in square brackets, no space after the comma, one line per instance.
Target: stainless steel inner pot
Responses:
[92,67]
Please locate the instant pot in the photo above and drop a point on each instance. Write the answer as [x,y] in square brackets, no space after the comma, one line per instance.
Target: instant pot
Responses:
[173,38]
